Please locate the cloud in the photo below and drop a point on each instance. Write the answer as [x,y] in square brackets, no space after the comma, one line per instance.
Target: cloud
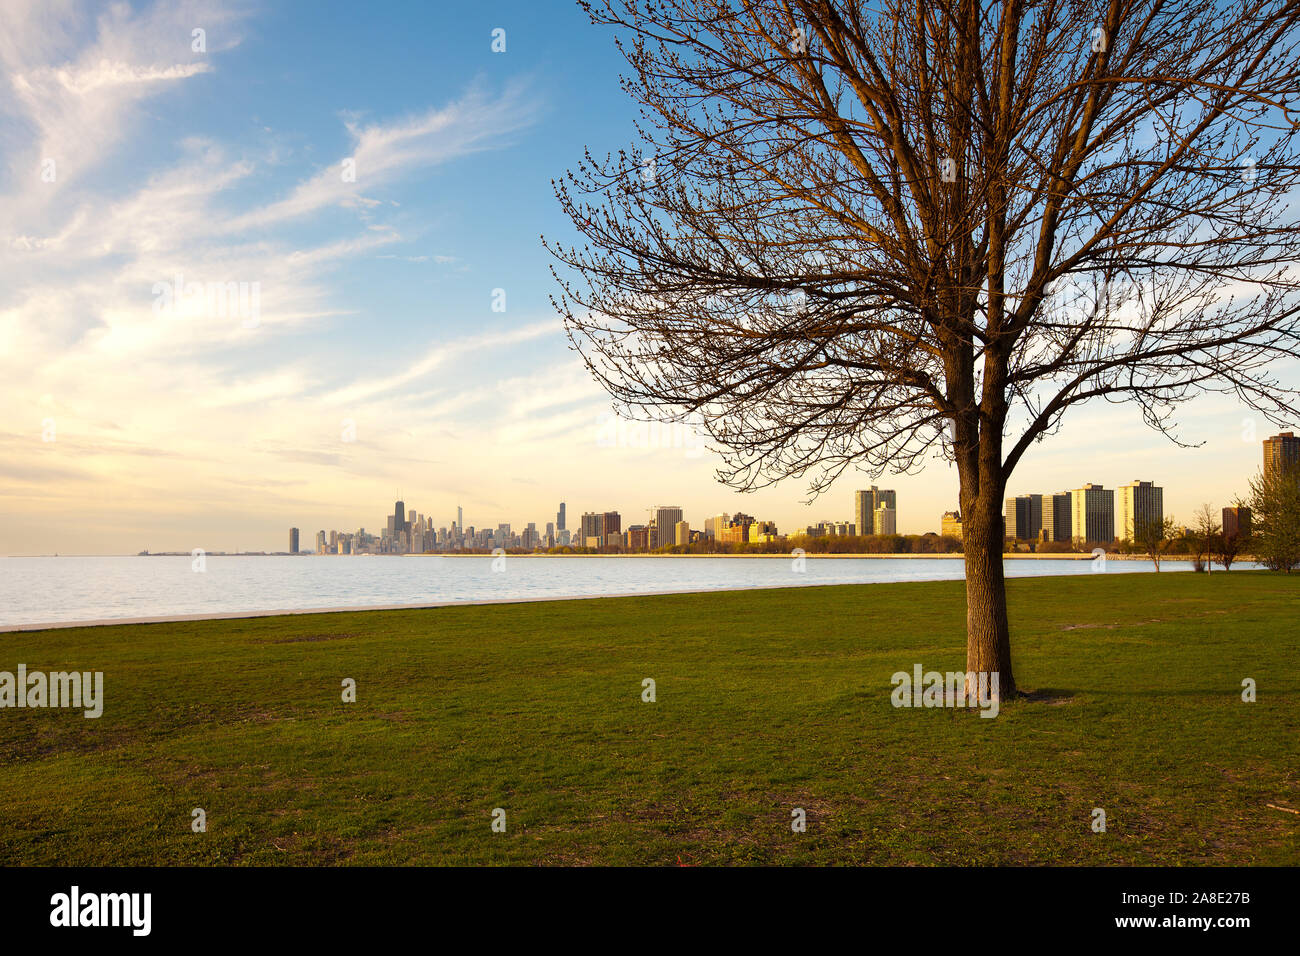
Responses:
[380,151]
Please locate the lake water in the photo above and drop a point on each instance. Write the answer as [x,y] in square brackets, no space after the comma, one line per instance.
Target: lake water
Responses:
[52,590]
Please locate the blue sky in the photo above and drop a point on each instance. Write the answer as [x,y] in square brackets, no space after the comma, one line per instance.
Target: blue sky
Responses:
[376,362]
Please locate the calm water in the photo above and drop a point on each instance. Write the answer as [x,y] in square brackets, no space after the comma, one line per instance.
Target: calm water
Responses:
[49,590]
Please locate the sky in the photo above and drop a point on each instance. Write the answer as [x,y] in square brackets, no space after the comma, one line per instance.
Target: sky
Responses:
[373,179]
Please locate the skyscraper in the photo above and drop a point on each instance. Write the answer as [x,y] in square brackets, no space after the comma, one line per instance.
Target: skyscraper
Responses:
[1024,517]
[460,519]
[399,517]
[1139,503]
[1056,517]
[865,504]
[864,508]
[559,518]
[1281,451]
[1236,522]
[293,540]
[1092,514]
[885,520]
[665,518]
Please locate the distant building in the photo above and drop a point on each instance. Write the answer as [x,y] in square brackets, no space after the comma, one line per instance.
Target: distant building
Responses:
[865,504]
[638,538]
[1236,522]
[683,533]
[1280,452]
[1057,517]
[885,520]
[713,526]
[1139,502]
[399,516]
[602,529]
[293,540]
[559,518]
[950,524]
[1024,517]
[320,542]
[1092,514]
[663,522]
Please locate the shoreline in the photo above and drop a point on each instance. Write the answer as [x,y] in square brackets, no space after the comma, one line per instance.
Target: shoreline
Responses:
[429,605]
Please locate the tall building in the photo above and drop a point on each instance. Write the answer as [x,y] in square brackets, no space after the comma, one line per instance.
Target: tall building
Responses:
[664,518]
[1281,451]
[612,529]
[865,504]
[683,533]
[714,526]
[1236,522]
[1092,514]
[559,519]
[1024,517]
[293,540]
[885,520]
[320,542]
[460,519]
[1139,502]
[601,529]
[1056,517]
[950,524]
[864,509]
[399,517]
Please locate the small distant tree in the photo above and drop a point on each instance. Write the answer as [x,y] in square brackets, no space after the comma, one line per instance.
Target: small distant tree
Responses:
[1205,535]
[1153,535]
[1275,519]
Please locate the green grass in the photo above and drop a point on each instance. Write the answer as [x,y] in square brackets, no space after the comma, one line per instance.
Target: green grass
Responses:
[767,700]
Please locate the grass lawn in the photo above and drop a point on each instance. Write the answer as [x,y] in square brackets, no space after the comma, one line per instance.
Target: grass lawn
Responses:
[766,701]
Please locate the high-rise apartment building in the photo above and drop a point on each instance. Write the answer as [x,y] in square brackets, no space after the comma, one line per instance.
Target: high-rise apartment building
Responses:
[601,529]
[865,504]
[683,533]
[1139,502]
[885,520]
[1280,452]
[1236,522]
[714,525]
[864,508]
[1092,514]
[293,540]
[664,520]
[1024,517]
[1056,517]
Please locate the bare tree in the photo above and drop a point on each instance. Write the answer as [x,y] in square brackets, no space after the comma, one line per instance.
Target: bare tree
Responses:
[871,233]
[1153,536]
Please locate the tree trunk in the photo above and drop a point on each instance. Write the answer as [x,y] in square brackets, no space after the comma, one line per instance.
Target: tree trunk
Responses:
[988,635]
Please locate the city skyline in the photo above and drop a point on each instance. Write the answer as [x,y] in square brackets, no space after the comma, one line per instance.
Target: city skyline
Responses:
[401,333]
[1103,514]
